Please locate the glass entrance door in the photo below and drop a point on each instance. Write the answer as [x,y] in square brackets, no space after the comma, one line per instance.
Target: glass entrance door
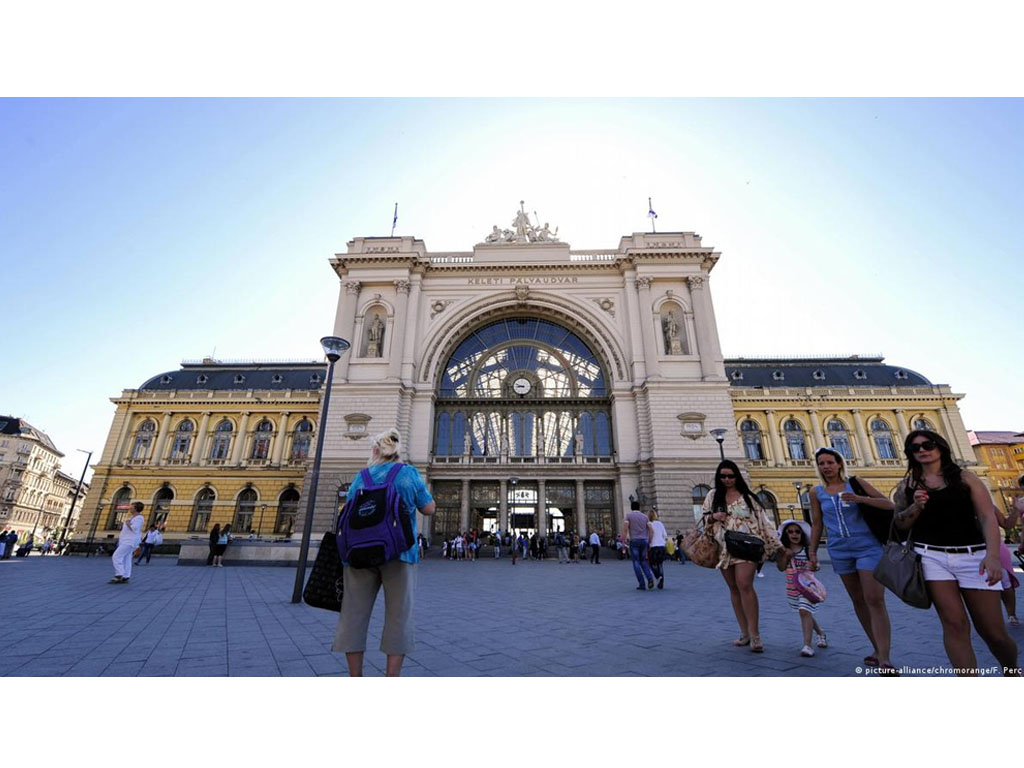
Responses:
[522,507]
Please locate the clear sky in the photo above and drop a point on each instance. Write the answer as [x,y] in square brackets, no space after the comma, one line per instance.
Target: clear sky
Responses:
[137,233]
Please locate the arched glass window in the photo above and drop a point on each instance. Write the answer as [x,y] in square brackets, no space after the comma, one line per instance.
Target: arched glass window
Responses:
[120,505]
[202,509]
[882,435]
[752,446]
[923,423]
[161,506]
[603,434]
[287,509]
[795,439]
[182,440]
[839,438]
[221,443]
[245,507]
[770,504]
[261,442]
[443,437]
[143,440]
[699,493]
[300,441]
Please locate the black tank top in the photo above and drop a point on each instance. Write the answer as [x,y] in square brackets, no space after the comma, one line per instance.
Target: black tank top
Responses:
[948,519]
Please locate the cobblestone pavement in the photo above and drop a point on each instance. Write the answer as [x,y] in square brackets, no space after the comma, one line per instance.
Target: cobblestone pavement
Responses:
[488,618]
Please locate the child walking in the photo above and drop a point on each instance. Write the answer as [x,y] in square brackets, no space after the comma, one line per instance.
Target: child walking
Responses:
[795,534]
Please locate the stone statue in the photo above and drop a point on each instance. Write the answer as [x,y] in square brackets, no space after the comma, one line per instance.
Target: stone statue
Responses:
[577,440]
[545,235]
[504,444]
[495,236]
[375,335]
[523,231]
[467,444]
[673,344]
[522,227]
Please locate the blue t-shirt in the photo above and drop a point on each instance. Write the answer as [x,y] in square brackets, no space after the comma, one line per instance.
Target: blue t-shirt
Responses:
[410,487]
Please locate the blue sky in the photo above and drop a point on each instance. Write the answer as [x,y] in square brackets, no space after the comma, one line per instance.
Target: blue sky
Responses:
[136,233]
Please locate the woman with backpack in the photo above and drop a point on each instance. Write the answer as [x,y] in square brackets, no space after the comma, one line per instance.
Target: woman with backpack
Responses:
[397,575]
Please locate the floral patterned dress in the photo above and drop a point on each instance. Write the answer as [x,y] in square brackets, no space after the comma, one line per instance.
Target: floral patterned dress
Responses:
[741,518]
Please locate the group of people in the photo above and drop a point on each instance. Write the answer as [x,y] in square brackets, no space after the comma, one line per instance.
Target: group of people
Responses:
[946,512]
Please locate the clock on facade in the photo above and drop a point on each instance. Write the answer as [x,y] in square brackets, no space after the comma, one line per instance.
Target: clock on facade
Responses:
[521,386]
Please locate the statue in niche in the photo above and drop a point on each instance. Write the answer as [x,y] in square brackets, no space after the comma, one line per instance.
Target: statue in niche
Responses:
[673,342]
[504,444]
[540,437]
[577,440]
[375,337]
[467,444]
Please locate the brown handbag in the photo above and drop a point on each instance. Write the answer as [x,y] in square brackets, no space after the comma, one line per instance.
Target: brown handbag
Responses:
[700,546]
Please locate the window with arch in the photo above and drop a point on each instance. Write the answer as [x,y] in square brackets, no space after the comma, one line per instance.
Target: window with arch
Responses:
[697,496]
[750,433]
[922,423]
[839,438]
[120,506]
[202,509]
[261,442]
[287,509]
[795,441]
[143,443]
[770,504]
[221,443]
[245,509]
[303,435]
[882,435]
[161,506]
[182,440]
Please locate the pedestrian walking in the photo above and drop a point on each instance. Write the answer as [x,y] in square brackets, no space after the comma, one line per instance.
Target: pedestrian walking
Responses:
[150,541]
[214,538]
[131,534]
[853,548]
[658,538]
[398,577]
[952,521]
[595,548]
[11,540]
[634,530]
[1010,581]
[221,547]
[795,536]
[496,543]
[732,508]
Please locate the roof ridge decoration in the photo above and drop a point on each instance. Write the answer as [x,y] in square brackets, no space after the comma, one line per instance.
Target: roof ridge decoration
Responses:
[523,231]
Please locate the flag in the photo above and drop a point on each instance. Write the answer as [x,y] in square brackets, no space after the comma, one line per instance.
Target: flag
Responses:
[394,221]
[650,210]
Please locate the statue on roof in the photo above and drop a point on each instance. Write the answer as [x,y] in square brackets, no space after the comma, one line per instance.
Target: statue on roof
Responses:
[522,230]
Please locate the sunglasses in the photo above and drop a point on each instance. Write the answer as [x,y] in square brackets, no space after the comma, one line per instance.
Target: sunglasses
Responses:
[727,477]
[927,445]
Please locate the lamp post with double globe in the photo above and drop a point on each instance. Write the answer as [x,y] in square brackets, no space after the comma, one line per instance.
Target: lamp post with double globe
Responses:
[334,347]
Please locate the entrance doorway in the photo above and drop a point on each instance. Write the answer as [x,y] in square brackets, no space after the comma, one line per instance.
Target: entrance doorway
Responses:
[522,507]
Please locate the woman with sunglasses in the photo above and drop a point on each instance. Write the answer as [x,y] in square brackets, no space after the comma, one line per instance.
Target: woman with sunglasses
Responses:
[953,525]
[852,547]
[733,507]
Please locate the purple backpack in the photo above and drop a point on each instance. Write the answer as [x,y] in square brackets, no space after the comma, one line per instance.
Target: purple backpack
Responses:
[373,527]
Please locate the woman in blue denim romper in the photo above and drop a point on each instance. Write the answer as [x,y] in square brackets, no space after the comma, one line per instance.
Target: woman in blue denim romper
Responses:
[853,548]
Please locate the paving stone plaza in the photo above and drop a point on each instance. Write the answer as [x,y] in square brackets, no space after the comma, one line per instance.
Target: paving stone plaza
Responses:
[487,618]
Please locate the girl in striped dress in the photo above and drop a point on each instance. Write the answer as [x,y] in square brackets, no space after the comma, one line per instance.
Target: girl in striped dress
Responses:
[794,535]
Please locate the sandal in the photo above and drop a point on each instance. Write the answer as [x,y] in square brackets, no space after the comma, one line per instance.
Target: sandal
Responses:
[870,661]
[822,641]
[756,646]
[741,641]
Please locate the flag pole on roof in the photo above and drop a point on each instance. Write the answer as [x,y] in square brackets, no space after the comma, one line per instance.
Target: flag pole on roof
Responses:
[652,214]
[394,221]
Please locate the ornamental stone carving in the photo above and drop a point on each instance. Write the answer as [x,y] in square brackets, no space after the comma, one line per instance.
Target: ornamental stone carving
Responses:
[523,231]
[352,287]
[402,286]
[439,306]
[607,305]
[643,283]
[696,282]
[522,292]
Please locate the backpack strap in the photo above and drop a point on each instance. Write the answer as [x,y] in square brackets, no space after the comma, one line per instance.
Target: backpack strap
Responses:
[393,473]
[367,477]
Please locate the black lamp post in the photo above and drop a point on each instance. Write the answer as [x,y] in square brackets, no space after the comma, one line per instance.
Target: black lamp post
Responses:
[719,435]
[259,528]
[334,347]
[512,513]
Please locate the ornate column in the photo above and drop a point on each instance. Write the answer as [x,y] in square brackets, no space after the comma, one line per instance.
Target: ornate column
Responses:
[636,343]
[409,342]
[773,436]
[542,508]
[901,424]
[161,440]
[950,435]
[236,452]
[862,437]
[707,344]
[503,505]
[464,511]
[581,510]
[200,441]
[344,322]
[399,326]
[282,434]
[643,285]
[819,438]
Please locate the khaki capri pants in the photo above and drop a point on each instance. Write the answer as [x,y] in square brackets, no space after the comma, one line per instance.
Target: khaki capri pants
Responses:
[361,586]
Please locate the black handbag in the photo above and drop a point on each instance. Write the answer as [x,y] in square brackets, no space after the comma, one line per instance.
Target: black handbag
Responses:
[325,586]
[901,572]
[879,521]
[745,546]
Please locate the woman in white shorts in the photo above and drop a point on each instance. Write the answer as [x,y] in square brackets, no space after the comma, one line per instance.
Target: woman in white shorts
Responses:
[953,526]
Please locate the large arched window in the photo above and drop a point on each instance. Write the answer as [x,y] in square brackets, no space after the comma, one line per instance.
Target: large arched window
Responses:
[882,435]
[751,434]
[697,496]
[261,443]
[182,440]
[143,443]
[301,439]
[795,442]
[245,507]
[922,423]
[770,504]
[287,509]
[526,388]
[120,505]
[202,509]
[161,506]
[221,443]
[839,438]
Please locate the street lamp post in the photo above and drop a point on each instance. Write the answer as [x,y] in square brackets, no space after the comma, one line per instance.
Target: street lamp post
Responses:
[334,347]
[259,528]
[799,499]
[511,526]
[719,435]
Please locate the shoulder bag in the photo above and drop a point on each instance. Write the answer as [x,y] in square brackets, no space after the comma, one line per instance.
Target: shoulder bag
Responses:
[745,546]
[700,546]
[901,572]
[324,587]
[879,521]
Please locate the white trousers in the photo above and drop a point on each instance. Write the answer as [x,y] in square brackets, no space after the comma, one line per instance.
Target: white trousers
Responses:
[122,560]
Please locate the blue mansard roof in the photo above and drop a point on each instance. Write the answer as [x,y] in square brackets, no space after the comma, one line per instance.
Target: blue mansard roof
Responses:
[854,371]
[221,375]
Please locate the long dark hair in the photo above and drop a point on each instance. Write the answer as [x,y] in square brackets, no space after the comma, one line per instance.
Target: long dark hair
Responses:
[951,471]
[718,504]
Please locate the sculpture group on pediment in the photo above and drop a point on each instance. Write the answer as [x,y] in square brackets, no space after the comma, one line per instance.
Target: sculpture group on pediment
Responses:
[522,231]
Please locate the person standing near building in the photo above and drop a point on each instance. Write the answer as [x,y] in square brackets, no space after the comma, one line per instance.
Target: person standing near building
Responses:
[658,537]
[131,535]
[214,538]
[149,543]
[11,540]
[634,530]
[222,545]
[595,548]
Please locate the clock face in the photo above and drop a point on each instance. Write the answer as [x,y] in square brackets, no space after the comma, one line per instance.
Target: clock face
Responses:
[521,386]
